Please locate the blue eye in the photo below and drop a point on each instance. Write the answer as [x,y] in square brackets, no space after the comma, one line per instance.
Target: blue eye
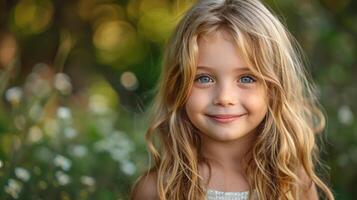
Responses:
[246,79]
[204,79]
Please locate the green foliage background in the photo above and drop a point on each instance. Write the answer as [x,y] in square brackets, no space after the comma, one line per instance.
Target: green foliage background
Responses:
[77,76]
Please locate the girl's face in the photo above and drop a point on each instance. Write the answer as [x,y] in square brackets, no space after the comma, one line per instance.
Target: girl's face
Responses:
[226,102]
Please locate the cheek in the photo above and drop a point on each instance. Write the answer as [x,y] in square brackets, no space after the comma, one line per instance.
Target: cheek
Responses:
[256,102]
[196,101]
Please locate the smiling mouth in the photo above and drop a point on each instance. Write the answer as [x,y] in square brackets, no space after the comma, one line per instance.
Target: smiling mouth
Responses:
[224,118]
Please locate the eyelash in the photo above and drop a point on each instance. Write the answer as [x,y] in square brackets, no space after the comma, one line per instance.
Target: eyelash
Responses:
[198,77]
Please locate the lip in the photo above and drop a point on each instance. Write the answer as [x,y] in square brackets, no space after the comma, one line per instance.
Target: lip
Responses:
[224,118]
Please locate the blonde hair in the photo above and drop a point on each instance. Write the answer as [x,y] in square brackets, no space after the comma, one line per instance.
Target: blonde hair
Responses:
[286,144]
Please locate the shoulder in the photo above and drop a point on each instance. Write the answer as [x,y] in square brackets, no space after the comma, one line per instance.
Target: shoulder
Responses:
[145,187]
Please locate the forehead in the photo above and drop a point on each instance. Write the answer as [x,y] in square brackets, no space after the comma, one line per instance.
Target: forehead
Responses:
[219,49]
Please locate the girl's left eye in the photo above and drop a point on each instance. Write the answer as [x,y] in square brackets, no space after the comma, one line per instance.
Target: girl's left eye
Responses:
[246,79]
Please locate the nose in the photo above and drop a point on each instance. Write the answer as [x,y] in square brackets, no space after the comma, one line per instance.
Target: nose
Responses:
[225,96]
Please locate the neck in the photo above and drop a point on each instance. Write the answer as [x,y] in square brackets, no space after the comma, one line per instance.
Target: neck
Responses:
[227,155]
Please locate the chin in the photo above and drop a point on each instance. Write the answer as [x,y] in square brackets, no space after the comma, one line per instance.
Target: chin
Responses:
[226,137]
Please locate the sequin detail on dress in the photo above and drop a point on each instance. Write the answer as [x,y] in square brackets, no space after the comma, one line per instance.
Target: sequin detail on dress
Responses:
[219,195]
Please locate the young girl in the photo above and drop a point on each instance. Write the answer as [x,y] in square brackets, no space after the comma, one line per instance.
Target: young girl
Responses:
[235,114]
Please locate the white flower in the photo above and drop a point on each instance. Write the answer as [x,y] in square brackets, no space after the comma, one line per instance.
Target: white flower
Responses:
[36,85]
[1,163]
[87,180]
[345,115]
[13,95]
[62,83]
[128,167]
[13,188]
[35,134]
[64,113]
[79,150]
[62,178]
[22,174]
[70,133]
[118,154]
[117,144]
[63,162]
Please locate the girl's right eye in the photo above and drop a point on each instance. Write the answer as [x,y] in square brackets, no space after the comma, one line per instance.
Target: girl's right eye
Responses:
[202,79]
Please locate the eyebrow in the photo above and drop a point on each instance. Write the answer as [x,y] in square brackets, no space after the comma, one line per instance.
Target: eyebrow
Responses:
[210,68]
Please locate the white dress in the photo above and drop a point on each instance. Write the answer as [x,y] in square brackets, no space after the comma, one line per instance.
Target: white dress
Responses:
[219,195]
